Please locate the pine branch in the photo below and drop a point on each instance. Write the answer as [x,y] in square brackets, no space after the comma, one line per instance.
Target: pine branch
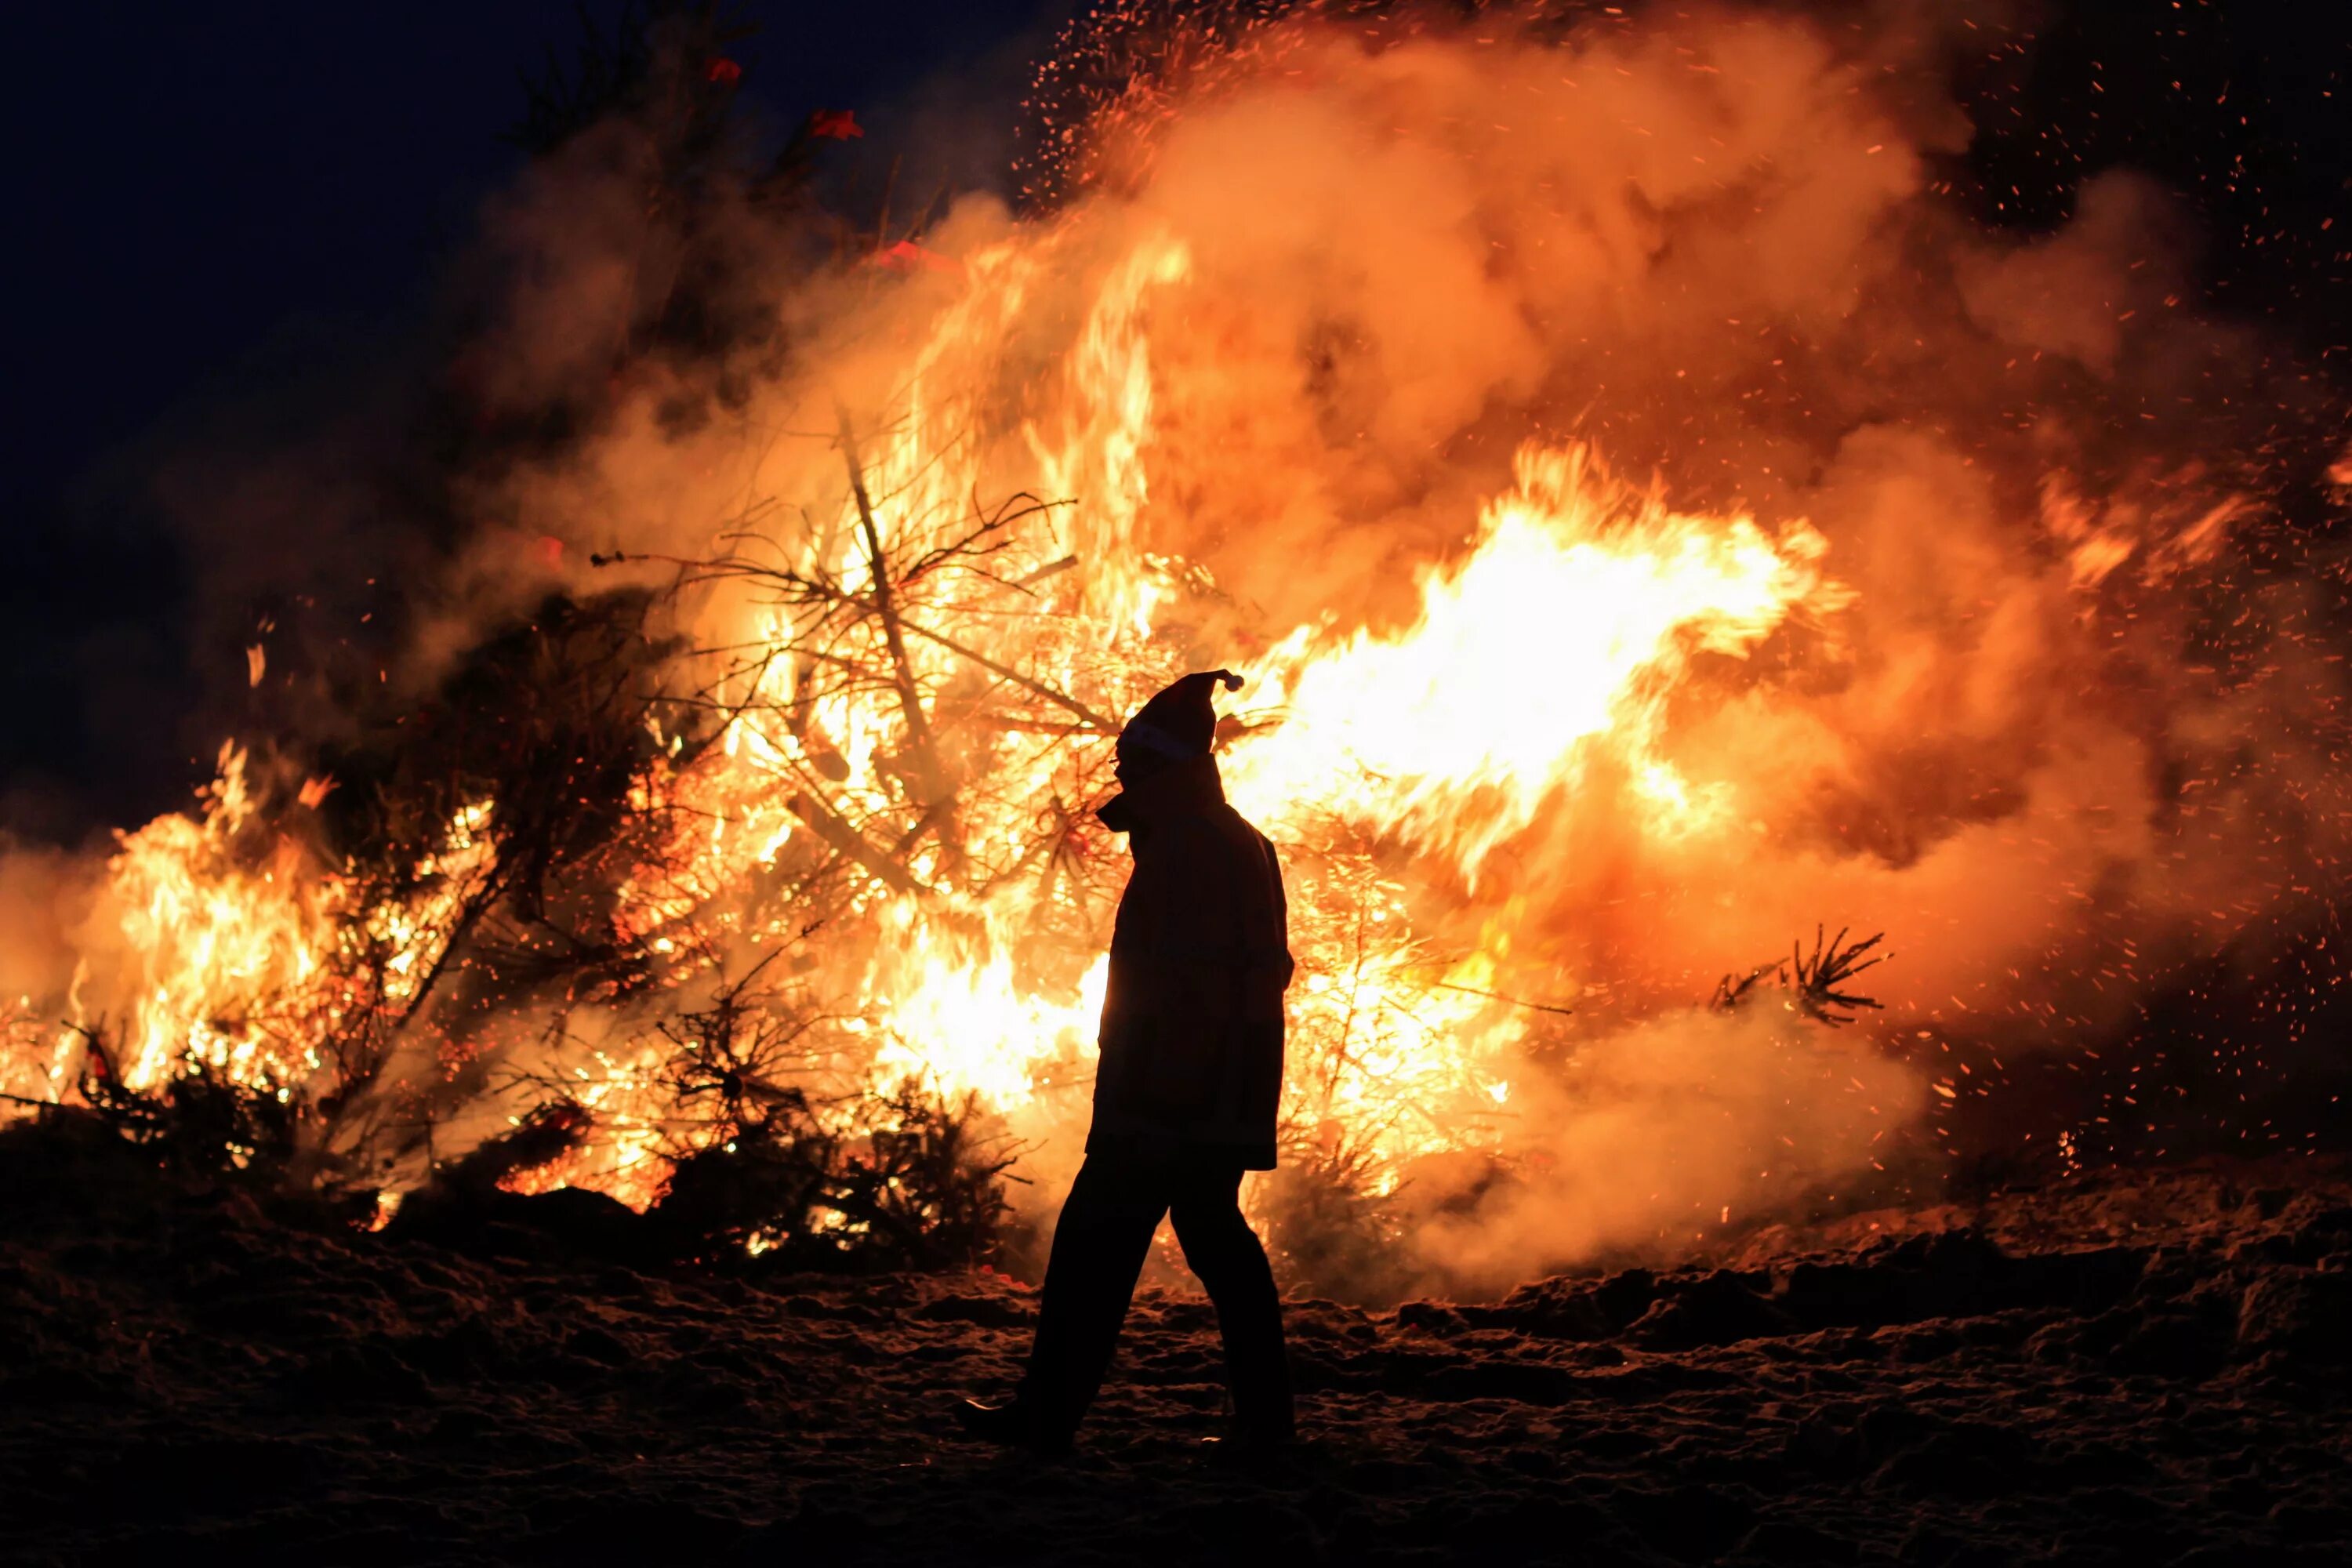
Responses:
[910,697]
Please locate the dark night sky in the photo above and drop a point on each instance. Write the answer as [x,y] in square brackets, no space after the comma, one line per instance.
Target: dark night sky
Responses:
[194,186]
[198,188]
[192,176]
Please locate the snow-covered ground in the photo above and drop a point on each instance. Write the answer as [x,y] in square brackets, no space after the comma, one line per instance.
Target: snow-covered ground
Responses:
[2141,1369]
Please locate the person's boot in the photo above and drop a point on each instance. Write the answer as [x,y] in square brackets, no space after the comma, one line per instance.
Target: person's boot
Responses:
[1011,1425]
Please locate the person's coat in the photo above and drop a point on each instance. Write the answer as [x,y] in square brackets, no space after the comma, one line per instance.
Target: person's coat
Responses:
[1192,1014]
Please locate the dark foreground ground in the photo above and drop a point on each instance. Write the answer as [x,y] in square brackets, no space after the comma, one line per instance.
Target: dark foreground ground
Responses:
[2142,1374]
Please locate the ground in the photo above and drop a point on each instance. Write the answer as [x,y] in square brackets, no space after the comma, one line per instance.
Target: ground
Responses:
[2141,1368]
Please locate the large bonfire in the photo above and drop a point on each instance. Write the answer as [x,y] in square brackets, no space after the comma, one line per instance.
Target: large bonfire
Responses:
[1649,520]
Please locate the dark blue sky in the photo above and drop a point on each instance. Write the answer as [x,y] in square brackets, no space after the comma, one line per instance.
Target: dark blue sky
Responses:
[188,177]
[246,189]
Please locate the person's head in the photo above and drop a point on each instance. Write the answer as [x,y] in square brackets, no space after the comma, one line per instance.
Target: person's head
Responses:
[1177,725]
[1136,763]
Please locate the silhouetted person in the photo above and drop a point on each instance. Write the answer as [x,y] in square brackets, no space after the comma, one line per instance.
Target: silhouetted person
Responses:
[1186,1094]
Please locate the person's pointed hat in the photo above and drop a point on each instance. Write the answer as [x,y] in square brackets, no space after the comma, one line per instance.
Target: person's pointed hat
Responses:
[1181,720]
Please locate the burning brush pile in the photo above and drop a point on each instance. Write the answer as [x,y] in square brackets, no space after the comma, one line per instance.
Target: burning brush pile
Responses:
[1651,517]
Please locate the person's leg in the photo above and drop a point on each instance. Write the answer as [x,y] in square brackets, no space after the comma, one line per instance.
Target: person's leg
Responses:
[1225,1252]
[1099,1245]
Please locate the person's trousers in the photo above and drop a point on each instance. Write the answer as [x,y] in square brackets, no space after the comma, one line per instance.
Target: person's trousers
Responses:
[1099,1245]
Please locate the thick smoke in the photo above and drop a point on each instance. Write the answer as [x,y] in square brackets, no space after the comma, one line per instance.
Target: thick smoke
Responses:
[1722,248]
[1652,1136]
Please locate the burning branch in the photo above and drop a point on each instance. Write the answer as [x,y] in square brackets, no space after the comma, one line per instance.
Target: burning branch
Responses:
[1498,997]
[1094,722]
[1816,979]
[833,830]
[800,586]
[738,1052]
[202,1121]
[899,1173]
[910,697]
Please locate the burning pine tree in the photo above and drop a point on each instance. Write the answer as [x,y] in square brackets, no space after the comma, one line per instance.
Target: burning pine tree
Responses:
[760,825]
